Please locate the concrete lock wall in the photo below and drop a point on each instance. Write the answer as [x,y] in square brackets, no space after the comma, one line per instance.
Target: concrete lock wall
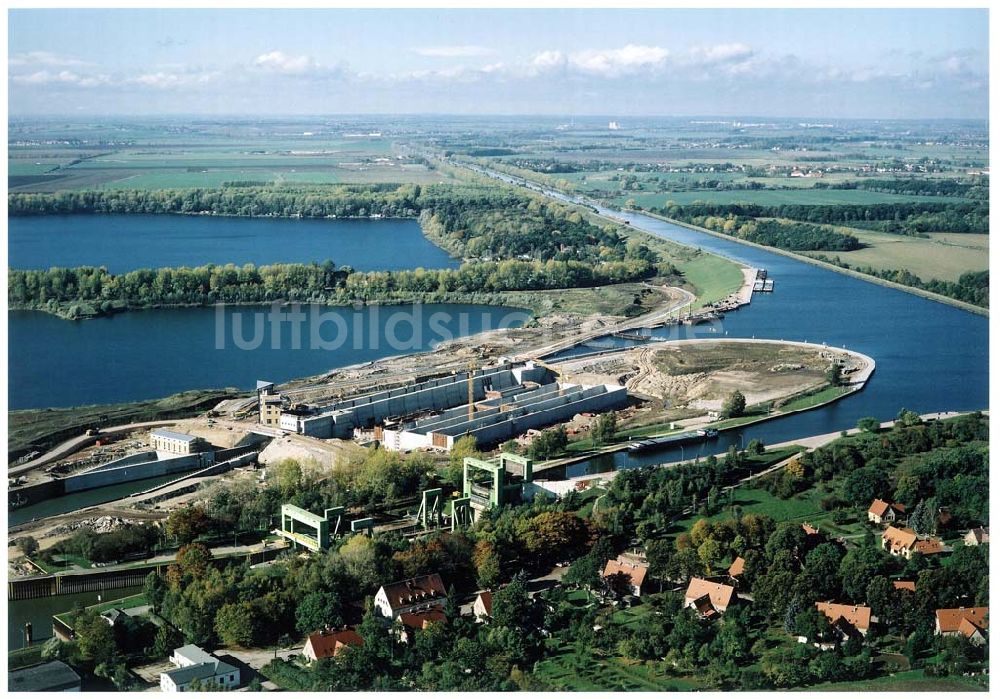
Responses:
[126,474]
[129,460]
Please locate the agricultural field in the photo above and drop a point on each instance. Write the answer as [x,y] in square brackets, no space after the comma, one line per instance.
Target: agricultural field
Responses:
[773,197]
[944,256]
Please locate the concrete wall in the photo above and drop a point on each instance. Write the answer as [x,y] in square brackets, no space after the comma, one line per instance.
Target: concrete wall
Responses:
[136,472]
[130,460]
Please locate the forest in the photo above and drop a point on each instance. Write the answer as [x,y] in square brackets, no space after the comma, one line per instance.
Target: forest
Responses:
[510,241]
[901,218]
[778,234]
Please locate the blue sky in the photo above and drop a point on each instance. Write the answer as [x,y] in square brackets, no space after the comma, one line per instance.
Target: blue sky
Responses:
[822,63]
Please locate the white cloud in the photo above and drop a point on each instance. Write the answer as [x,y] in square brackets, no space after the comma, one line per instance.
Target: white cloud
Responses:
[45,58]
[281,62]
[62,77]
[454,51]
[166,80]
[612,62]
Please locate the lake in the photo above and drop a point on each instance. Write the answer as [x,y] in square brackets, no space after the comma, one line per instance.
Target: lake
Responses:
[154,353]
[125,242]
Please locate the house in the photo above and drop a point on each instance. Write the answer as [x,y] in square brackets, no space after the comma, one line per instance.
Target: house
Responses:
[930,547]
[737,568]
[977,536]
[482,608]
[899,542]
[970,622]
[908,585]
[328,644]
[847,619]
[707,598]
[810,530]
[195,665]
[53,676]
[881,512]
[414,621]
[171,442]
[633,572]
[410,595]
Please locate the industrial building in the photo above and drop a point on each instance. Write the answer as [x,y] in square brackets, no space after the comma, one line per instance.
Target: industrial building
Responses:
[169,442]
[492,404]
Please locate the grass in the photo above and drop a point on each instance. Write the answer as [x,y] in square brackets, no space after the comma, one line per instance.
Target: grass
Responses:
[944,256]
[802,507]
[814,399]
[24,657]
[567,669]
[775,197]
[909,681]
[712,277]
[101,607]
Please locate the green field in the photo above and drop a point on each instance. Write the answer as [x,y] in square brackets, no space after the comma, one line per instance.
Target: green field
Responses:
[944,256]
[713,278]
[770,197]
[909,681]
[569,670]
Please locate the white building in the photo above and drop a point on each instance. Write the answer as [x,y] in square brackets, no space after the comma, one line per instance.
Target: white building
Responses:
[170,442]
[415,594]
[195,665]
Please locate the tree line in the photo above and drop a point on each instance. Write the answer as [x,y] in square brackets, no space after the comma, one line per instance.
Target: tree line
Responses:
[778,234]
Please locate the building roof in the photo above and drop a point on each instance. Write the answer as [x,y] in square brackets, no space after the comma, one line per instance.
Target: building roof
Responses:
[407,593]
[880,507]
[809,529]
[326,644]
[421,619]
[980,534]
[905,585]
[636,572]
[52,676]
[487,599]
[950,620]
[263,384]
[738,567]
[929,546]
[858,617]
[900,538]
[719,595]
[170,434]
[202,665]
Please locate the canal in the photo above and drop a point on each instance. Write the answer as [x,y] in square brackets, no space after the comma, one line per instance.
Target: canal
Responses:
[38,612]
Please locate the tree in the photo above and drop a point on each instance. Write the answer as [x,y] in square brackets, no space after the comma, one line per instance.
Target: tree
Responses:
[237,624]
[869,424]
[187,524]
[511,603]
[755,447]
[924,517]
[95,639]
[549,443]
[834,374]
[585,572]
[734,405]
[463,447]
[318,610]
[166,640]
[155,590]
[27,544]
[605,428]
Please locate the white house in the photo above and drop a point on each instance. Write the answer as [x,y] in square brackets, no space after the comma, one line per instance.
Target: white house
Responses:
[410,595]
[195,665]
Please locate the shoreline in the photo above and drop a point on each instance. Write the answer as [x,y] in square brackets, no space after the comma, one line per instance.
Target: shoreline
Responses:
[856,384]
[929,295]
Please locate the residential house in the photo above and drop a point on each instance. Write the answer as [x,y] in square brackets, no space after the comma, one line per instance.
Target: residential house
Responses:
[328,644]
[970,622]
[909,585]
[709,599]
[631,571]
[881,512]
[899,542]
[847,619]
[410,595]
[195,665]
[482,608]
[930,547]
[810,530]
[977,536]
[414,621]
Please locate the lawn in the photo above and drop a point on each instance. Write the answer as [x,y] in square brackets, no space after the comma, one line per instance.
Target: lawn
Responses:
[909,681]
[944,256]
[712,277]
[803,507]
[569,670]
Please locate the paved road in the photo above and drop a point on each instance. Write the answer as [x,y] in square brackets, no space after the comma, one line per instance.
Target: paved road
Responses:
[71,446]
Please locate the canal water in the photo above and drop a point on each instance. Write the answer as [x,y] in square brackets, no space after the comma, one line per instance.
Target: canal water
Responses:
[39,612]
[150,354]
[125,242]
[929,356]
[85,498]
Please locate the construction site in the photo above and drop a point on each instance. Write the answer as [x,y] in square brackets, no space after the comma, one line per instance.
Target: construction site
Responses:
[491,404]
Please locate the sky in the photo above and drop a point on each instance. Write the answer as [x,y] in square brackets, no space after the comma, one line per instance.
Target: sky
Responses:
[653,62]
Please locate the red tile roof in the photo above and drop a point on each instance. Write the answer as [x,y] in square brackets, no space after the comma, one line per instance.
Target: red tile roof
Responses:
[718,595]
[858,617]
[326,644]
[738,566]
[900,538]
[635,572]
[929,546]
[414,591]
[421,619]
[964,620]
[905,585]
[487,597]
